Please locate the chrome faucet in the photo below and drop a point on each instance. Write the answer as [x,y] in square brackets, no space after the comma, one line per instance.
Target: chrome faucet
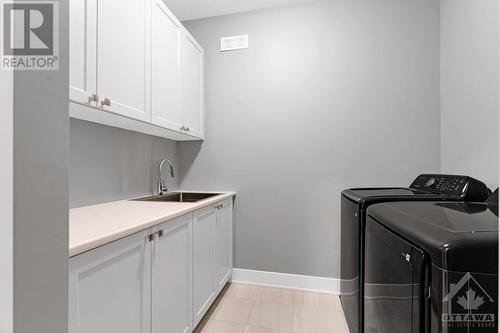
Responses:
[162,189]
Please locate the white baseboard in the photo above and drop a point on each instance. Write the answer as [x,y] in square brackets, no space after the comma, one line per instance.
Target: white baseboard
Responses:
[290,281]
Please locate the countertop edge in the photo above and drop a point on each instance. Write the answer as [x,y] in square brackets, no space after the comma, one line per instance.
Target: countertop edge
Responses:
[80,248]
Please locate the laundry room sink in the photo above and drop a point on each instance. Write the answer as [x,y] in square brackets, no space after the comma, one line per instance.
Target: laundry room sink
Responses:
[178,197]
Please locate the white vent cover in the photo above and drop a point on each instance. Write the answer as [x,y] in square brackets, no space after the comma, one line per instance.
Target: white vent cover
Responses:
[233,43]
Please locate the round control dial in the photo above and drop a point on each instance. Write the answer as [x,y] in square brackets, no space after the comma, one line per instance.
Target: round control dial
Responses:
[430,182]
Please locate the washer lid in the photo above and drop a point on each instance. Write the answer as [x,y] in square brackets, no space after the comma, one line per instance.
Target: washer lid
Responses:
[370,195]
[457,236]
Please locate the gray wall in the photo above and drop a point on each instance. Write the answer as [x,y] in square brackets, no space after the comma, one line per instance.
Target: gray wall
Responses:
[6,201]
[470,89]
[330,95]
[108,164]
[41,144]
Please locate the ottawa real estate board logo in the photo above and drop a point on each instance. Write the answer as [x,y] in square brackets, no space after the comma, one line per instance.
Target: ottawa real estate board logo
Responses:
[29,36]
[470,304]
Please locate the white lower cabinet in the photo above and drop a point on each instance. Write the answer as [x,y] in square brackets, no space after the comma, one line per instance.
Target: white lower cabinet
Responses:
[204,261]
[163,279]
[213,254]
[110,288]
[223,243]
[171,278]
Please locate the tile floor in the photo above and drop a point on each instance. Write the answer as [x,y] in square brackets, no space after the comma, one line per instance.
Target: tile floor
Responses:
[251,309]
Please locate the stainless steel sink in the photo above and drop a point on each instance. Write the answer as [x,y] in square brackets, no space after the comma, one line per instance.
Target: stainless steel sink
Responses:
[178,197]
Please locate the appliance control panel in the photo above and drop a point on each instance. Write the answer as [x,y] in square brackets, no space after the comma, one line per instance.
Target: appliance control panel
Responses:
[462,187]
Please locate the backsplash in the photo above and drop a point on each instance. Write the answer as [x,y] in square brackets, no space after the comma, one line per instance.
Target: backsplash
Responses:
[108,164]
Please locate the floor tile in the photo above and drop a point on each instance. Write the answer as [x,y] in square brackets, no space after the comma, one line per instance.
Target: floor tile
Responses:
[238,290]
[253,329]
[231,309]
[316,320]
[244,308]
[343,327]
[271,315]
[275,295]
[317,300]
[214,326]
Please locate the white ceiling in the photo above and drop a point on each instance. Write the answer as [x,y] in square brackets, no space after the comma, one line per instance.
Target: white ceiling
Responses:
[195,9]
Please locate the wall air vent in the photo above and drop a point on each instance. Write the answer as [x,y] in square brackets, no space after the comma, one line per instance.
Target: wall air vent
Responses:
[233,43]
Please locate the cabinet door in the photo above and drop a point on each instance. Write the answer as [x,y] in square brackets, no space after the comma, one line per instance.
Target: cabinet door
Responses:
[109,288]
[165,67]
[123,51]
[204,261]
[82,50]
[223,243]
[191,78]
[172,277]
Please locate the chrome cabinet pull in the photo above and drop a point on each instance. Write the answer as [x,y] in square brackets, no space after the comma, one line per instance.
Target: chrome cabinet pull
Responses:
[160,233]
[93,98]
[106,102]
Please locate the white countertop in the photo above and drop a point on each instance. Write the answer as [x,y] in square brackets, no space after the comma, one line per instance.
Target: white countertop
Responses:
[97,225]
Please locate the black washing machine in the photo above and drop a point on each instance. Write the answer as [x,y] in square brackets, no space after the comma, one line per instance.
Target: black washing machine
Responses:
[354,203]
[431,267]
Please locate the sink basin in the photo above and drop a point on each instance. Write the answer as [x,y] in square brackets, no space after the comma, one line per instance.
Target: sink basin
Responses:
[178,197]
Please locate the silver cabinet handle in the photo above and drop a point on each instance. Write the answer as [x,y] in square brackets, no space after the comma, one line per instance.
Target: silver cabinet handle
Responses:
[160,233]
[150,237]
[93,98]
[106,102]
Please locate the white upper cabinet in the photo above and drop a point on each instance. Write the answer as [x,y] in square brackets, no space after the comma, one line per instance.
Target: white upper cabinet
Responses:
[192,86]
[135,60]
[165,31]
[122,57]
[82,51]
